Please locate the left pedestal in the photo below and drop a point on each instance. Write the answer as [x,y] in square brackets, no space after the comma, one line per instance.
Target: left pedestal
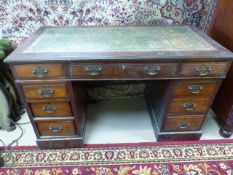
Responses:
[56,106]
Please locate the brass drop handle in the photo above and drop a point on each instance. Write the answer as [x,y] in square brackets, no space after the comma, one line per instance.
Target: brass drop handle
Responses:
[40,72]
[189,106]
[195,89]
[49,109]
[46,92]
[204,70]
[183,125]
[152,70]
[93,69]
[55,128]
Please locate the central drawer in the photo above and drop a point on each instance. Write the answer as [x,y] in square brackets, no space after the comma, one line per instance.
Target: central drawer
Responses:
[108,70]
[51,109]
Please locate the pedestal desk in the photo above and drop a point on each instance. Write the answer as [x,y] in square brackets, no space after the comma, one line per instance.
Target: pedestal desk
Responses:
[181,66]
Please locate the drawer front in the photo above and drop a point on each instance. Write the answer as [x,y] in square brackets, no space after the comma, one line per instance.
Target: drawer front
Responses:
[188,105]
[46,91]
[95,70]
[194,88]
[119,70]
[51,109]
[183,123]
[56,128]
[151,70]
[39,71]
[202,69]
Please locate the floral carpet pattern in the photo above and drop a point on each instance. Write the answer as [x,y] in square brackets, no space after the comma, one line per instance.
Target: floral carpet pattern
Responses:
[175,159]
[20,18]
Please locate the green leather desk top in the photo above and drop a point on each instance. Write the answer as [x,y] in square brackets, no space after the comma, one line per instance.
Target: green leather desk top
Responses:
[116,43]
[119,39]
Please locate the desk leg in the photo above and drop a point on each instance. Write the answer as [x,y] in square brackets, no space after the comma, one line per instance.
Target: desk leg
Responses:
[227,129]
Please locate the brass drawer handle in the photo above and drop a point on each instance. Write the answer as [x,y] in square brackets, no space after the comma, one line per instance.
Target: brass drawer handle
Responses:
[49,109]
[195,89]
[183,125]
[204,70]
[46,92]
[152,70]
[55,128]
[40,72]
[189,106]
[93,70]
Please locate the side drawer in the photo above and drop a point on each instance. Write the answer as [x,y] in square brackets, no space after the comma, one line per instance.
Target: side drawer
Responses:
[188,105]
[45,91]
[183,123]
[95,70]
[202,69]
[151,70]
[193,88]
[56,128]
[39,71]
[51,109]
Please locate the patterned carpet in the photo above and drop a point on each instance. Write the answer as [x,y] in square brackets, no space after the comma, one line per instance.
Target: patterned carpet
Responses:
[20,18]
[188,158]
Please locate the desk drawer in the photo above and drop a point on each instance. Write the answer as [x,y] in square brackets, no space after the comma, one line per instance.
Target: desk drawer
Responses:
[202,69]
[45,91]
[51,109]
[188,105]
[121,70]
[193,88]
[56,128]
[39,71]
[183,123]
[151,70]
[95,70]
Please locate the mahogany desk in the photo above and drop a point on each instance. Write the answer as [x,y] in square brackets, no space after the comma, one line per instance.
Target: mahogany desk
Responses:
[181,66]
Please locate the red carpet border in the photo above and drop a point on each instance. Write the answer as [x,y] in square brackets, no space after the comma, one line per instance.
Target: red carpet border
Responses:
[177,159]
